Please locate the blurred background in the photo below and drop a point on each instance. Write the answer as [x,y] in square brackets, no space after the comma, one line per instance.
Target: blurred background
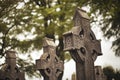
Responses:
[24,23]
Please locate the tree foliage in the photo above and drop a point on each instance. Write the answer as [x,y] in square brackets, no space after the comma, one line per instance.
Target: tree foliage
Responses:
[23,28]
[24,23]
[111,73]
[108,9]
[110,22]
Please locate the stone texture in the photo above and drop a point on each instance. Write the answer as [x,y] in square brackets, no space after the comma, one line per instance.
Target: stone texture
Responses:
[49,64]
[99,75]
[83,46]
[9,70]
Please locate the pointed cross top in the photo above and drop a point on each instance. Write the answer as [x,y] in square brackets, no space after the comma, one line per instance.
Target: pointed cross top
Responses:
[48,42]
[82,13]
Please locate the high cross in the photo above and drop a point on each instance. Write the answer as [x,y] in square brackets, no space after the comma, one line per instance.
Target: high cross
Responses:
[49,64]
[83,46]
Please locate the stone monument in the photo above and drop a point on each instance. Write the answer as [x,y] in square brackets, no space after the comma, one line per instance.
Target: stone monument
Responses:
[49,65]
[9,70]
[99,75]
[83,46]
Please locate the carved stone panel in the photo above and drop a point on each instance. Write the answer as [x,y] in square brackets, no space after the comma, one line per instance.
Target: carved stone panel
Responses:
[68,42]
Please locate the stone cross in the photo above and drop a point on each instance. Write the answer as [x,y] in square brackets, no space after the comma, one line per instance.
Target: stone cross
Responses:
[81,42]
[49,65]
[99,75]
[9,70]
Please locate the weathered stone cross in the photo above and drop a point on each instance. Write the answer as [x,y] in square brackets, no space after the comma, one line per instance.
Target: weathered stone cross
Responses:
[81,42]
[9,70]
[49,64]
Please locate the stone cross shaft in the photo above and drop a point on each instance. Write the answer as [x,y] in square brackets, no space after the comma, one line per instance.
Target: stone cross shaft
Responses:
[81,42]
[49,64]
[9,70]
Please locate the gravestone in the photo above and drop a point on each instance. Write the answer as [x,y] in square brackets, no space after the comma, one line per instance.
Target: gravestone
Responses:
[49,65]
[99,75]
[83,46]
[9,70]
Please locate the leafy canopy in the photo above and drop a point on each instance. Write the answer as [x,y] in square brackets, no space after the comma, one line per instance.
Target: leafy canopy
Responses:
[24,23]
[110,22]
[111,73]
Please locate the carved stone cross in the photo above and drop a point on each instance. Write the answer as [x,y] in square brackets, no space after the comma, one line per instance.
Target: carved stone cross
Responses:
[49,64]
[9,70]
[81,42]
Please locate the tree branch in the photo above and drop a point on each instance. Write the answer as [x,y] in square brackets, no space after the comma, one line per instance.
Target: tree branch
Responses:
[4,41]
